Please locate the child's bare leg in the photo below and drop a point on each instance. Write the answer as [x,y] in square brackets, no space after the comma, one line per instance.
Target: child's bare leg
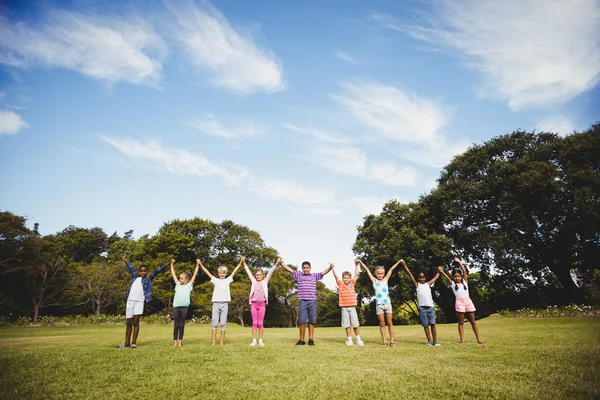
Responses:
[214,336]
[356,332]
[382,327]
[253,333]
[128,330]
[427,334]
[461,326]
[471,318]
[390,324]
[222,342]
[433,333]
[136,328]
[311,331]
[302,328]
[348,332]
[260,333]
[179,343]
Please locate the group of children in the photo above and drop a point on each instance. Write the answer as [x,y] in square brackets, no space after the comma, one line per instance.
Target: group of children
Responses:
[140,291]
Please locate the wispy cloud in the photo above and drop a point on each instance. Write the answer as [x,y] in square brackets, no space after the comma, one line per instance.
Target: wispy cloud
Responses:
[183,162]
[319,134]
[560,124]
[370,205]
[210,125]
[234,59]
[107,48]
[11,123]
[391,112]
[531,53]
[342,55]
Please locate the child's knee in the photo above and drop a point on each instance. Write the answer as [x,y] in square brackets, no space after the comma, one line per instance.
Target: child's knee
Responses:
[382,324]
[136,322]
[461,322]
[129,322]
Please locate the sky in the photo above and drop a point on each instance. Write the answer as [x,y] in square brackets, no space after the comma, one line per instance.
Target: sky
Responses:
[296,119]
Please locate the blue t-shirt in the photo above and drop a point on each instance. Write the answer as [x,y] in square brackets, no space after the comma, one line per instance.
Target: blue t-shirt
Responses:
[182,295]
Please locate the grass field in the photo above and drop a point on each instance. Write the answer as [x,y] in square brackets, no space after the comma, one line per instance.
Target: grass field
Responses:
[524,358]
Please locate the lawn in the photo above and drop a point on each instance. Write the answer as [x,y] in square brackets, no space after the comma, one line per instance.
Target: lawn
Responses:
[524,358]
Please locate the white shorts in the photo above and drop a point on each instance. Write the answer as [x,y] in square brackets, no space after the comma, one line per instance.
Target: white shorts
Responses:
[134,307]
[383,308]
[349,317]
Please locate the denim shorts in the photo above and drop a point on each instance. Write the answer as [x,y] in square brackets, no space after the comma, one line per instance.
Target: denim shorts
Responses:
[427,316]
[308,311]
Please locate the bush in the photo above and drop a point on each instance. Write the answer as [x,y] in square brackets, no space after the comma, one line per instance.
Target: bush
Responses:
[571,310]
[96,319]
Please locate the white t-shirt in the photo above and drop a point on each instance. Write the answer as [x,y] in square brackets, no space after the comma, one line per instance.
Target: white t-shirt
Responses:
[221,291]
[461,293]
[424,295]
[137,290]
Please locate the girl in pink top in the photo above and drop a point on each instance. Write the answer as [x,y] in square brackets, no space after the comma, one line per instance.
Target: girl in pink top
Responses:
[259,298]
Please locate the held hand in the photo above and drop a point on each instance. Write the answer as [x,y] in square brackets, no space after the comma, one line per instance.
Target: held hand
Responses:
[198,262]
[457,259]
[278,261]
[124,257]
[356,261]
[331,265]
[243,259]
[172,261]
[402,261]
[440,268]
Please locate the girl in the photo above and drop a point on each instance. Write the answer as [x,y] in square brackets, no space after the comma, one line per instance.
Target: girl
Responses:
[259,299]
[463,304]
[181,302]
[425,303]
[220,298]
[382,296]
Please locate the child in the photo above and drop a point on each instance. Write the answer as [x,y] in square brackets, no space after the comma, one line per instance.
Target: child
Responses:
[140,290]
[181,302]
[348,303]
[221,296]
[307,294]
[383,301]
[425,301]
[463,304]
[259,299]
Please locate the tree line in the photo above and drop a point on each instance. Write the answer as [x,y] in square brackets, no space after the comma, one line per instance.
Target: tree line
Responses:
[523,209]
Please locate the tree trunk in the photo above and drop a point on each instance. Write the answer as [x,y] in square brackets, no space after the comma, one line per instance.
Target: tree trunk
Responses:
[97,308]
[241,318]
[36,312]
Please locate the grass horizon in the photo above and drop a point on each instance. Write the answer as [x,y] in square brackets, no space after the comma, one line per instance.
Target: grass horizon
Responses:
[523,358]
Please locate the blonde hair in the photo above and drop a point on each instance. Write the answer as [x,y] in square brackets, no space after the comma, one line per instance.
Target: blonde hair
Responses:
[380,267]
[224,269]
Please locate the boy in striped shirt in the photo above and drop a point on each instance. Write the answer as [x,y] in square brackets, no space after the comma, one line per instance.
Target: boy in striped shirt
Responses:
[348,303]
[307,294]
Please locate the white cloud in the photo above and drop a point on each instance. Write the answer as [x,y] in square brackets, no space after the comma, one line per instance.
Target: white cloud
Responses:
[235,60]
[437,155]
[242,129]
[108,48]
[390,174]
[561,125]
[531,53]
[391,112]
[326,136]
[183,162]
[369,205]
[11,123]
[342,55]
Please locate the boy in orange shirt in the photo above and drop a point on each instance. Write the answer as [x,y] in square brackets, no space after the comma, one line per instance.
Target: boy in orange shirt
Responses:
[348,303]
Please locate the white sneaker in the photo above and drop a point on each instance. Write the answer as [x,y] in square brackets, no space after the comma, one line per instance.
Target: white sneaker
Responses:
[253,343]
[349,343]
[360,343]
[261,343]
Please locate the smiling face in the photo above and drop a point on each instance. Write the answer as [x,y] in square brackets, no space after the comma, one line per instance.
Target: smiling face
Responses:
[379,273]
[346,277]
[142,272]
[306,269]
[457,277]
[421,278]
[222,273]
[259,275]
[183,278]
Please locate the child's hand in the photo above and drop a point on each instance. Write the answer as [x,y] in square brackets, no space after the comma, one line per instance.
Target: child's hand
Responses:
[402,261]
[172,261]
[278,261]
[357,261]
[198,261]
[440,268]
[331,265]
[243,259]
[457,259]
[124,257]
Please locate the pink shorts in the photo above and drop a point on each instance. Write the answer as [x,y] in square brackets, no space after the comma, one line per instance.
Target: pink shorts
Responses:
[464,305]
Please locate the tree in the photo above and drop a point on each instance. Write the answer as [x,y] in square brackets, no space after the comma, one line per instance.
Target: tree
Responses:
[99,284]
[526,204]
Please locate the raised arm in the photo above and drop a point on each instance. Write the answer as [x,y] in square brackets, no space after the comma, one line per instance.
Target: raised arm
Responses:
[441,269]
[131,269]
[198,262]
[238,267]
[173,274]
[195,274]
[327,269]
[462,266]
[160,269]
[435,278]
[362,264]
[270,273]
[389,274]
[337,279]
[412,278]
[284,265]
[356,270]
[248,272]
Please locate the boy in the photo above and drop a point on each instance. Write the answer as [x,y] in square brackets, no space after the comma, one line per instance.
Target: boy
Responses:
[140,290]
[307,294]
[348,303]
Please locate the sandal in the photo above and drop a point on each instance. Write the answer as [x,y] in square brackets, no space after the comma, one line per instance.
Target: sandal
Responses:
[392,344]
[384,344]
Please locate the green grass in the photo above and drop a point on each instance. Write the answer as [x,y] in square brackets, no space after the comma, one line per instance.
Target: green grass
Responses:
[525,358]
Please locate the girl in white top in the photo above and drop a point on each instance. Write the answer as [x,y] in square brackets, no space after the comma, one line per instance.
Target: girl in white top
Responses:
[463,304]
[425,301]
[221,297]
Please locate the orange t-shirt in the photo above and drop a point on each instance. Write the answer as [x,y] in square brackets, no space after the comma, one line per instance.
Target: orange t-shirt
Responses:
[347,294]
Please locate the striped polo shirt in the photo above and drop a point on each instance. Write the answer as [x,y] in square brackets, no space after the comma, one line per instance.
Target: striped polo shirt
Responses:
[347,293]
[307,284]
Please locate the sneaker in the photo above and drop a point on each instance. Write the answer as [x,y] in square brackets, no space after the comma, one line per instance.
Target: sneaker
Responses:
[120,346]
[429,343]
[311,342]
[360,343]
[253,343]
[436,344]
[300,343]
[349,343]
[133,346]
[261,343]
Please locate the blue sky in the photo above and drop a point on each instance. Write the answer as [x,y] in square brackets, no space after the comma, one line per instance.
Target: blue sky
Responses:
[296,119]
